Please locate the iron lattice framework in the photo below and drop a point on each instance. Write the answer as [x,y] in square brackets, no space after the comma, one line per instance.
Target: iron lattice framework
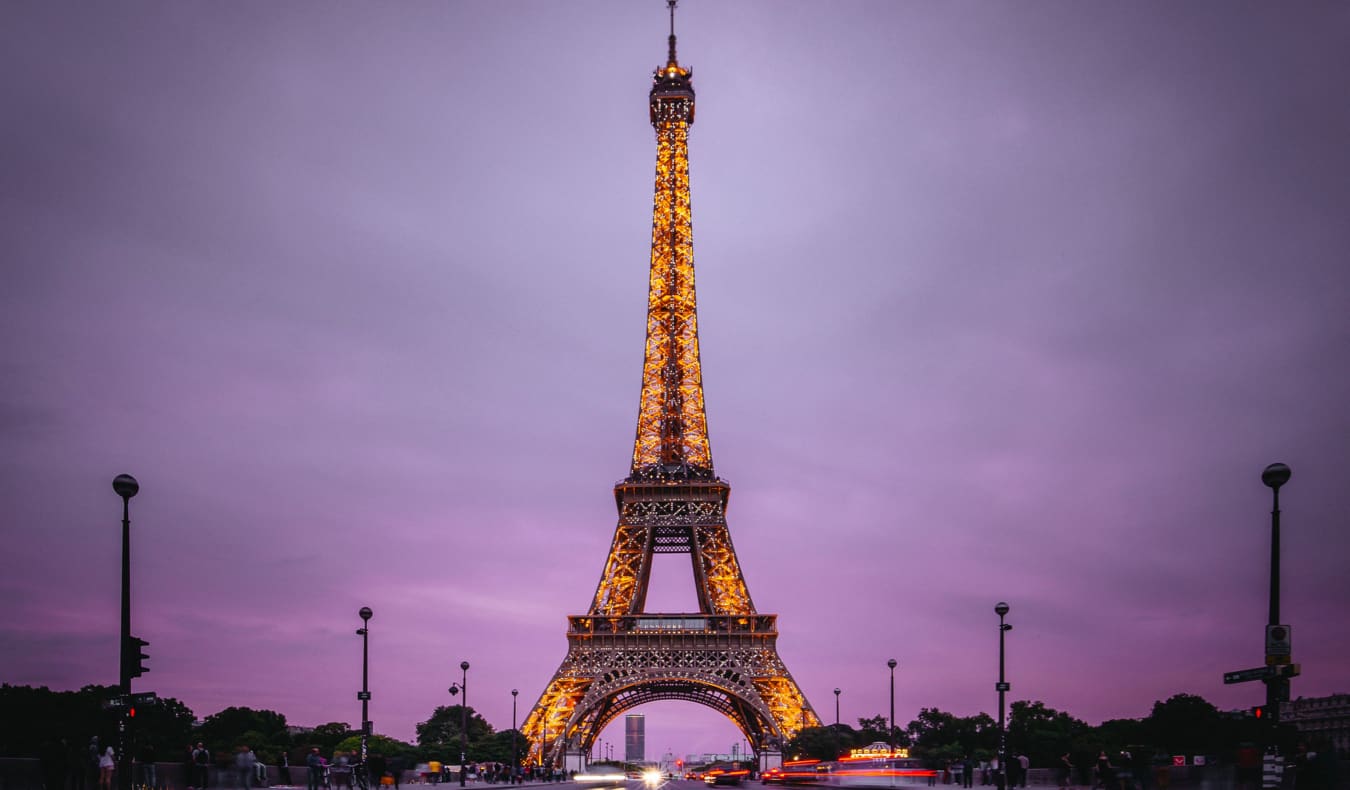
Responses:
[724,656]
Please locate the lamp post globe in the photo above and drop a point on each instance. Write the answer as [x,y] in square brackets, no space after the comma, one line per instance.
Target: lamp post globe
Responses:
[126,486]
[365,613]
[1275,475]
[1001,608]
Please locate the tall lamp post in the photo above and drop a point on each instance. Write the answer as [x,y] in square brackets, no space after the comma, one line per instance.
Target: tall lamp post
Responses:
[1001,609]
[364,695]
[1277,687]
[836,708]
[463,717]
[126,487]
[890,732]
[515,760]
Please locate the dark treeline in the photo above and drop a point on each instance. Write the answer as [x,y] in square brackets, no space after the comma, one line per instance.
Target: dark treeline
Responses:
[1183,725]
[37,722]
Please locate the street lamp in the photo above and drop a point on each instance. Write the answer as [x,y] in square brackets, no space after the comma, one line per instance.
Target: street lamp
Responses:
[515,761]
[836,709]
[364,696]
[1277,688]
[126,487]
[463,716]
[1001,609]
[890,734]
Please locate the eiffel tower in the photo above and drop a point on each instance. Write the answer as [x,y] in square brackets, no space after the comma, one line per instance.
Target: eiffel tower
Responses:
[619,656]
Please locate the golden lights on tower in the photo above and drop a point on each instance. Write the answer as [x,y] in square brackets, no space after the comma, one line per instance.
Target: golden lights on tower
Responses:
[619,655]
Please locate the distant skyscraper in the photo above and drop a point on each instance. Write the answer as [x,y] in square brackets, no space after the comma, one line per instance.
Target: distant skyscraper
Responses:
[635,738]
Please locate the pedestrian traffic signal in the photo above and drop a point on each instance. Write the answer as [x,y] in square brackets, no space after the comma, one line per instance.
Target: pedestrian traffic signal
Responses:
[1259,711]
[135,657]
[131,713]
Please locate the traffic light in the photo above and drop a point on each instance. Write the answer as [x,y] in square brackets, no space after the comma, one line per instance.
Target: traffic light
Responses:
[131,713]
[135,657]
[1259,711]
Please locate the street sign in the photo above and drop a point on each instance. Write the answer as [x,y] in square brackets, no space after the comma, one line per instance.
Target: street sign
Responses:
[363,695]
[145,698]
[1002,687]
[1284,670]
[116,702]
[1247,675]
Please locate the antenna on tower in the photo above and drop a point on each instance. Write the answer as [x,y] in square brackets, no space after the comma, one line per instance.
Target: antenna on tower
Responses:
[671,5]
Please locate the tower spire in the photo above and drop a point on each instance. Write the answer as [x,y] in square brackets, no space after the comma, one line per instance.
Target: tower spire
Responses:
[671,60]
[672,430]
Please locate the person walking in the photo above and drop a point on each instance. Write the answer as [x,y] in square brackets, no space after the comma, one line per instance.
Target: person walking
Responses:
[54,759]
[315,763]
[1106,773]
[967,772]
[91,763]
[1065,770]
[147,760]
[105,769]
[201,767]
[378,766]
[245,762]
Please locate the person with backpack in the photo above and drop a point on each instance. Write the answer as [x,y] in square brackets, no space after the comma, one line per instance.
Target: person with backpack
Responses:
[201,767]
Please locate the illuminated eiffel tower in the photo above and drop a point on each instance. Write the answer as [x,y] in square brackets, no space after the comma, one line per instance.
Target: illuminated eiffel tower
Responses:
[619,656]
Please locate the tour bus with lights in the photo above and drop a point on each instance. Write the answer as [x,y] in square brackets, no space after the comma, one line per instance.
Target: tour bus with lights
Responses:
[873,766]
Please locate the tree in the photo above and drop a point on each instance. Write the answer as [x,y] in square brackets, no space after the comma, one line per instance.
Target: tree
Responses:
[325,736]
[816,743]
[1041,733]
[166,725]
[876,730]
[1184,724]
[260,730]
[497,747]
[440,733]
[939,736]
[377,744]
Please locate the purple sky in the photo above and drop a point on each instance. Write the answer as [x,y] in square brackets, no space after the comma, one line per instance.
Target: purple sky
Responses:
[998,301]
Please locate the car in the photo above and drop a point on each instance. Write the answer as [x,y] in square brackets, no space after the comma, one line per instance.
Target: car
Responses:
[723,776]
